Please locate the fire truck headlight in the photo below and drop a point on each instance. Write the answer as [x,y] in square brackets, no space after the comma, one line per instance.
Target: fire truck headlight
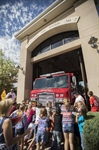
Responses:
[57,95]
[33,95]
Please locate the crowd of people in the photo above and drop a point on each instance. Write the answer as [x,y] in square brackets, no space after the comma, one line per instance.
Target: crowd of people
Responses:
[43,124]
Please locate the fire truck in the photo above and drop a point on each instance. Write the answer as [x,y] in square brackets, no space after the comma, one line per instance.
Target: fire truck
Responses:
[53,87]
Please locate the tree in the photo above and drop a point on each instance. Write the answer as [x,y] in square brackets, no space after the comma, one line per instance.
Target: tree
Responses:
[8,73]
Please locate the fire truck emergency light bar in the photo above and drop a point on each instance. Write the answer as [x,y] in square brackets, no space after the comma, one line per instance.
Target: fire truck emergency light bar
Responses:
[50,74]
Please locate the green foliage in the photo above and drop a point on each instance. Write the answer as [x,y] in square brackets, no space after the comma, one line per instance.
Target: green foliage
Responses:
[91,131]
[8,73]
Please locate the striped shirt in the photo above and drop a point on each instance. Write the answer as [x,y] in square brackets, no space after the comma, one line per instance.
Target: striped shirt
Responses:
[67,115]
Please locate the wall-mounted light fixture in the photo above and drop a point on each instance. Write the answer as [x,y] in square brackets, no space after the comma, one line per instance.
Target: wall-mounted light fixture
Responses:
[93,42]
[21,68]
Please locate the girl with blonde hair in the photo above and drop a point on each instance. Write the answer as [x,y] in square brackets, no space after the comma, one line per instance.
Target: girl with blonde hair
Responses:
[7,137]
[68,127]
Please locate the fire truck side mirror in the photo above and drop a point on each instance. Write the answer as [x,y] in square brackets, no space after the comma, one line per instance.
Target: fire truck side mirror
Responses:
[74,80]
[33,83]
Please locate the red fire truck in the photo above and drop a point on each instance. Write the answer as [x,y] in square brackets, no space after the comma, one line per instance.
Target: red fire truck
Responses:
[53,87]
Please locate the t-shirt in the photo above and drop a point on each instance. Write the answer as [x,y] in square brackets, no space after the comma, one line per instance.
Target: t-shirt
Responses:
[79,98]
[29,114]
[94,104]
[11,94]
[37,113]
[58,122]
[42,124]
[12,109]
[81,120]
[67,115]
[3,145]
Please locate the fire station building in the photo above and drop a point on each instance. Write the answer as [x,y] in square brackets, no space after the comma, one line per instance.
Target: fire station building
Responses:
[64,37]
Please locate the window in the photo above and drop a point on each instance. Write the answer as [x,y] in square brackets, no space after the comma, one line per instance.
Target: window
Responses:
[45,46]
[36,51]
[70,36]
[55,41]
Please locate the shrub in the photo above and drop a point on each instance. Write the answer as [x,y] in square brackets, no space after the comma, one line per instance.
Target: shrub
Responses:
[91,131]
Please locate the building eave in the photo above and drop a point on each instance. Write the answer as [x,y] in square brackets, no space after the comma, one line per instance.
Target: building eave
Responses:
[54,10]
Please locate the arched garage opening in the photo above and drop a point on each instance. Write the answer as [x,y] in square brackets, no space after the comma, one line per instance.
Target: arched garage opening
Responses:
[69,62]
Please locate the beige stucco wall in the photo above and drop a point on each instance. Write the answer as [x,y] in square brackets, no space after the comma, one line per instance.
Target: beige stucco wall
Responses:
[24,78]
[69,14]
[88,26]
[67,24]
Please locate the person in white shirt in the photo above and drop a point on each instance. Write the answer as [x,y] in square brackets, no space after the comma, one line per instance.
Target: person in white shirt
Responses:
[11,95]
[78,98]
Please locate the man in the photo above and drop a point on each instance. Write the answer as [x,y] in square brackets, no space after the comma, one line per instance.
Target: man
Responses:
[78,98]
[11,94]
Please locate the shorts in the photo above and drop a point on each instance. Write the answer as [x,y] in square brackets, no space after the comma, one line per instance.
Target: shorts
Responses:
[19,131]
[68,128]
[41,137]
[35,126]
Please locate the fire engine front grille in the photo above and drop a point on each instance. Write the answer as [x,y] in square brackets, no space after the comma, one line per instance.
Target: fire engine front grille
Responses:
[45,97]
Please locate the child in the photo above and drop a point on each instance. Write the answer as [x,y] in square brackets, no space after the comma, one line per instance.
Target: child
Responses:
[76,129]
[80,118]
[22,125]
[57,131]
[34,103]
[49,109]
[29,113]
[93,102]
[42,129]
[68,126]
[35,125]
[49,114]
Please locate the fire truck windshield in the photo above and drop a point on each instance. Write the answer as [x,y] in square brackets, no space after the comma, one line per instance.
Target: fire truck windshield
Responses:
[51,82]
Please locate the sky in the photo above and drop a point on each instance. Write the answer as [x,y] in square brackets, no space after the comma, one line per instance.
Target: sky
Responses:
[14,15]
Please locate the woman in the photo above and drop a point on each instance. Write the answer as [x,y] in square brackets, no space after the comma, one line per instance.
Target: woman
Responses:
[68,126]
[7,139]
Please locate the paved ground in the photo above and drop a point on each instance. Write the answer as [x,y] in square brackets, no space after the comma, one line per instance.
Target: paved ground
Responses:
[25,147]
[48,146]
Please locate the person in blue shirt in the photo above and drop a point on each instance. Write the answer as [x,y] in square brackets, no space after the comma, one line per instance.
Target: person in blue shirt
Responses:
[80,119]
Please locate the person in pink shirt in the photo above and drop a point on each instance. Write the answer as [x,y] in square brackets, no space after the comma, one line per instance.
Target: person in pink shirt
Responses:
[29,113]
